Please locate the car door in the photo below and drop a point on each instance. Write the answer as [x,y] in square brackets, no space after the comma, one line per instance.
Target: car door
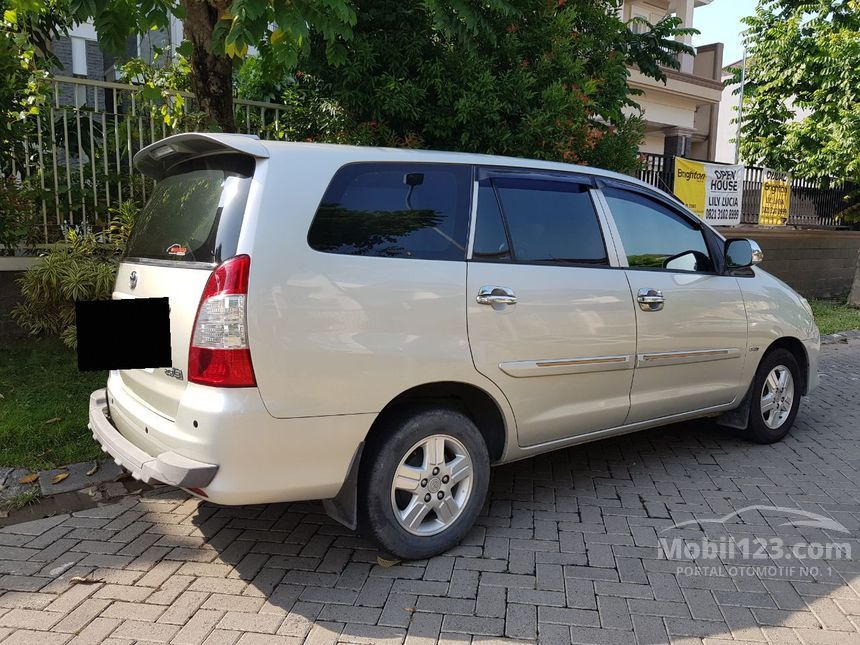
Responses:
[550,321]
[690,320]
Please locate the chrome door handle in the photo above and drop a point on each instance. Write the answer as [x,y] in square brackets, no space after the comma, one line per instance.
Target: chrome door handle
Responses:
[493,295]
[650,299]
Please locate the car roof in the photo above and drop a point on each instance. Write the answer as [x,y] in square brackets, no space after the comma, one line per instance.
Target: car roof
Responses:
[152,161]
[378,153]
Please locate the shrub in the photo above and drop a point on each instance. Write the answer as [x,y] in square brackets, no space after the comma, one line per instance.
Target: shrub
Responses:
[17,224]
[82,268]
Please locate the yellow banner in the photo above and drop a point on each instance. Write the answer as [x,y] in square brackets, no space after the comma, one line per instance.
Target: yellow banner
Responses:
[775,198]
[690,184]
[712,191]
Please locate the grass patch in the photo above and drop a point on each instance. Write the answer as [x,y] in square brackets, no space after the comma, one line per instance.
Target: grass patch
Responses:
[834,316]
[22,499]
[44,405]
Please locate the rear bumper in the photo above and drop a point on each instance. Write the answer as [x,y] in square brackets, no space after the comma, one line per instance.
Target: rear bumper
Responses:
[248,456]
[167,467]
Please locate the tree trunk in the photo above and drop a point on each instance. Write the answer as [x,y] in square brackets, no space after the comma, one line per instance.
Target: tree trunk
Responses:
[211,74]
[854,296]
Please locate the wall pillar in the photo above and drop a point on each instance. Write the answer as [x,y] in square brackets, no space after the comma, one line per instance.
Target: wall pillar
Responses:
[854,295]
[684,10]
[676,144]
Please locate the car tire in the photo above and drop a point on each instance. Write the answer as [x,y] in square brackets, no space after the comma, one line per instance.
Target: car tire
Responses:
[424,482]
[775,397]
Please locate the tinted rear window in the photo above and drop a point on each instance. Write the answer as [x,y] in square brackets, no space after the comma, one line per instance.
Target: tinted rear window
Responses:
[395,210]
[195,213]
[551,221]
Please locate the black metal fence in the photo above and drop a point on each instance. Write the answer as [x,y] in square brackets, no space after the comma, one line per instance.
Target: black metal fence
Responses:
[814,202]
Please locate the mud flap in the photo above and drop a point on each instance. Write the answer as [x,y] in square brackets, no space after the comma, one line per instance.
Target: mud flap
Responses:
[740,416]
[343,507]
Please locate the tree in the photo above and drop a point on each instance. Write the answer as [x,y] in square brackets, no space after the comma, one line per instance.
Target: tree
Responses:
[219,33]
[801,107]
[25,55]
[547,82]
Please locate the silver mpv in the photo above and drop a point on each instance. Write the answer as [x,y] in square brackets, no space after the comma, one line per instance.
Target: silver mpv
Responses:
[376,328]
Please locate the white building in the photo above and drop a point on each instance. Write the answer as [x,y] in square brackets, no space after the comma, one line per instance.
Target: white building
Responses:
[681,116]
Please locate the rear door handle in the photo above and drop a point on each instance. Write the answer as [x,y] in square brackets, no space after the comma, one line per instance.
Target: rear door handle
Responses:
[494,295]
[650,299]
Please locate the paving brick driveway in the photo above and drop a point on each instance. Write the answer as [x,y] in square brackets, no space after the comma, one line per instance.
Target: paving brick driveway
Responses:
[566,551]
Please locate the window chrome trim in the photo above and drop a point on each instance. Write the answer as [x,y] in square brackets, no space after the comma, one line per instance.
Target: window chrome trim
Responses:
[473,220]
[173,264]
[561,366]
[611,235]
[660,359]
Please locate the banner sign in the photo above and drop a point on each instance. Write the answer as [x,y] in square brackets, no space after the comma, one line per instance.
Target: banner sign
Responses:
[775,197]
[711,191]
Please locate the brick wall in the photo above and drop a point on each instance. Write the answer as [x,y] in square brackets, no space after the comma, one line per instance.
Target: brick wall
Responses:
[62,48]
[818,264]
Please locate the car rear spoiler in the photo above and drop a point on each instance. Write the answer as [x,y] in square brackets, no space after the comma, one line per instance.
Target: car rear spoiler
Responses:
[156,159]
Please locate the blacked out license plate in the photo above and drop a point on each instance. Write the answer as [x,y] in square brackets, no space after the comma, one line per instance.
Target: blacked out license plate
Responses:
[123,334]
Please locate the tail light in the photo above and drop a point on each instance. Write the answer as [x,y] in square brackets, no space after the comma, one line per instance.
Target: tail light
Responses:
[219,353]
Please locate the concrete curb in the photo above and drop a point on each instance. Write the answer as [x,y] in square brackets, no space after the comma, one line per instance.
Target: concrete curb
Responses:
[106,474]
[840,337]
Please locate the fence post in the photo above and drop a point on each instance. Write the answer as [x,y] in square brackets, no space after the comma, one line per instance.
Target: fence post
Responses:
[854,295]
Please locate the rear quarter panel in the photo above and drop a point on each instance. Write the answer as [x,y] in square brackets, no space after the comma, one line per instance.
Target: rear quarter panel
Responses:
[337,334]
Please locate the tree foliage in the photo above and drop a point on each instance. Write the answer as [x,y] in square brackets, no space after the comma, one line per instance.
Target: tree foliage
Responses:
[547,80]
[25,55]
[801,108]
[219,34]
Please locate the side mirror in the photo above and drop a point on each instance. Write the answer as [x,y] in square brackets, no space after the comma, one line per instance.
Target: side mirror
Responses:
[742,253]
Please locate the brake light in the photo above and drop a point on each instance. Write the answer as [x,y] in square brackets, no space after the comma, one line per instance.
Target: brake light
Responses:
[219,353]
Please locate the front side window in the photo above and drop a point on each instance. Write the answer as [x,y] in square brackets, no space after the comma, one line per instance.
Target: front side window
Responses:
[395,210]
[548,221]
[654,236]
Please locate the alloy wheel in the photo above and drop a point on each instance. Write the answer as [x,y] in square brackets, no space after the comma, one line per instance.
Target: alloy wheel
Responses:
[432,485]
[777,397]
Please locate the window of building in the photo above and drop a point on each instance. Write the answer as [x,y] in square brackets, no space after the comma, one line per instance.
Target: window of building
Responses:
[79,56]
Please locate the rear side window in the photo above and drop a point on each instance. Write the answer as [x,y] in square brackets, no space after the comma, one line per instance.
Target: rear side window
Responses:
[551,221]
[395,210]
[195,212]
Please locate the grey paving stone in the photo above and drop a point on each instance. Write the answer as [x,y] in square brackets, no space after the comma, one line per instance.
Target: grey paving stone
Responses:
[78,479]
[565,554]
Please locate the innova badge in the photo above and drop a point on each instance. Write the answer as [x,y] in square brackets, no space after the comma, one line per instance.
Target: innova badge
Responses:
[132,280]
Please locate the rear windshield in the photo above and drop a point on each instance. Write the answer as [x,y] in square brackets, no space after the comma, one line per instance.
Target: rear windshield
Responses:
[195,213]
